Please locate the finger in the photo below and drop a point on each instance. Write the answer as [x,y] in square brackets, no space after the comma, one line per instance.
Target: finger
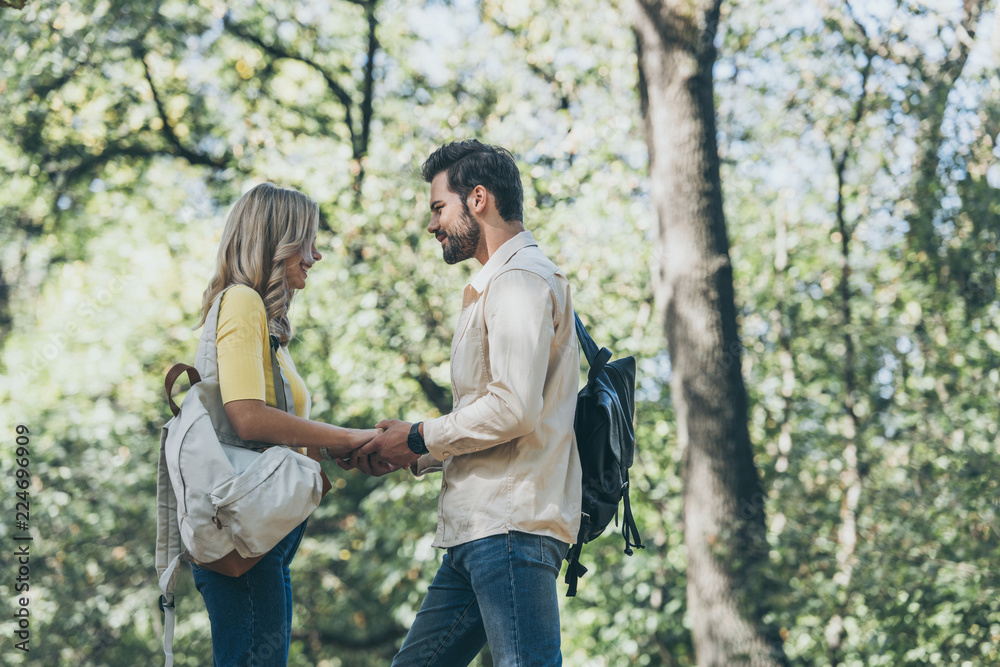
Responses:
[371,447]
[355,459]
[382,465]
[384,424]
[346,464]
[403,460]
[364,465]
[377,466]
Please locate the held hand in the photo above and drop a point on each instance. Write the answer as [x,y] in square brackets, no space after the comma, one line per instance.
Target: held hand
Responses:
[391,445]
[355,437]
[359,437]
[363,436]
[372,465]
[346,463]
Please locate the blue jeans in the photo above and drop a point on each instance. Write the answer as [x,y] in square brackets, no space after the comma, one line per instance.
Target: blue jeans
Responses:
[251,615]
[499,589]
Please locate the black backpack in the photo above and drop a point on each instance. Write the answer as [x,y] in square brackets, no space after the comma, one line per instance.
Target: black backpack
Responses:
[605,439]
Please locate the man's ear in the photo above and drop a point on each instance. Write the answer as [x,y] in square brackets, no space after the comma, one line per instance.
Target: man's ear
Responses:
[478,199]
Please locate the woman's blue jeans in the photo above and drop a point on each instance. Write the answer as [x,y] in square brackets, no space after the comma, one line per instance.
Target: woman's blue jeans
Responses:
[251,615]
[500,589]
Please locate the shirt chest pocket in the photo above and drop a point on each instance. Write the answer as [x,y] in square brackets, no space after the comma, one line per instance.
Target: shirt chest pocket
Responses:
[469,373]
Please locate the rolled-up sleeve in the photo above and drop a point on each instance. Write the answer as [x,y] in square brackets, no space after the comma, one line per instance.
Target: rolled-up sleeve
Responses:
[518,314]
[425,464]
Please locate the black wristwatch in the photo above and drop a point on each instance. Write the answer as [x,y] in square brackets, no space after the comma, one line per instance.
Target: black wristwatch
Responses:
[415,441]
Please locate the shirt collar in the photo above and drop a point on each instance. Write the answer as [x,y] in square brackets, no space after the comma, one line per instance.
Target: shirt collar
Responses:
[500,257]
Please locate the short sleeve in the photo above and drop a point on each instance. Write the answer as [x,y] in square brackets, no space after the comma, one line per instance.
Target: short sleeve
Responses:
[241,341]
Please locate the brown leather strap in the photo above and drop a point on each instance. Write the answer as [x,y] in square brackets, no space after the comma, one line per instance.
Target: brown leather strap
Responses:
[231,565]
[326,482]
[172,375]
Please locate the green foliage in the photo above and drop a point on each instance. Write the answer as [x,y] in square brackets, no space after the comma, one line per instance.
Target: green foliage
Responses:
[137,126]
[892,94]
[132,127]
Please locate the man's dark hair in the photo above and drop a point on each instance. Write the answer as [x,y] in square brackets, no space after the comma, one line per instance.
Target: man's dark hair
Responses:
[470,163]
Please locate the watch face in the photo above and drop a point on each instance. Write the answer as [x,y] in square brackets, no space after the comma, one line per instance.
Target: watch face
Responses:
[415,441]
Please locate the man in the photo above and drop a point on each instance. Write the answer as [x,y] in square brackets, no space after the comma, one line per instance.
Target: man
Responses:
[510,492]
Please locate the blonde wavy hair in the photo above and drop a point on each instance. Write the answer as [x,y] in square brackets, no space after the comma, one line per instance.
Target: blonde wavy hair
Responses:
[267,226]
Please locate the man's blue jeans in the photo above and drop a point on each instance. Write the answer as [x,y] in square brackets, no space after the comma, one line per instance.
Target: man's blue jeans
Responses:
[251,615]
[500,589]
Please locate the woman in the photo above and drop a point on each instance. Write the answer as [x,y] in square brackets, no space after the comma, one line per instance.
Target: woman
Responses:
[267,249]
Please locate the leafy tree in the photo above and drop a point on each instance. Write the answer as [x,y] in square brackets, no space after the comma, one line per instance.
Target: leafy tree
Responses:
[724,528]
[849,405]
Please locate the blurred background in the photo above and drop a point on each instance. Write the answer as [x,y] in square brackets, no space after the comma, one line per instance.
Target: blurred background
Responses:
[860,171]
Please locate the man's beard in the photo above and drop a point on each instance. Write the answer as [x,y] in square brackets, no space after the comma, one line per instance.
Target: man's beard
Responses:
[462,243]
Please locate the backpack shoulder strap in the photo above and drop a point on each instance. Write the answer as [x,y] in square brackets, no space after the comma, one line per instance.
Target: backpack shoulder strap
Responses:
[282,388]
[206,360]
[169,548]
[596,358]
[574,568]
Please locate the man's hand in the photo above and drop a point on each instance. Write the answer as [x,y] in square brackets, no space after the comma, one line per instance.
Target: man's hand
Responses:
[391,444]
[372,465]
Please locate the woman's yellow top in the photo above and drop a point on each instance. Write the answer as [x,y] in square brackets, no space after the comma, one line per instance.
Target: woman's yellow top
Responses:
[244,348]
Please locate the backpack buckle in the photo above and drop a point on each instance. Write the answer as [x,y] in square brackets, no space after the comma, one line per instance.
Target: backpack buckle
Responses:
[164,604]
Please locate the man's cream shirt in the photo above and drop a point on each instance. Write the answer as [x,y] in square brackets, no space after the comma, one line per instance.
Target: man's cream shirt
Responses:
[507,450]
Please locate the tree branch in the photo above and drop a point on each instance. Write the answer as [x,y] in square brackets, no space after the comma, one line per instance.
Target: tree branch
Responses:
[116,149]
[369,86]
[359,143]
[6,317]
[168,131]
[439,397]
[850,477]
[276,51]
[541,72]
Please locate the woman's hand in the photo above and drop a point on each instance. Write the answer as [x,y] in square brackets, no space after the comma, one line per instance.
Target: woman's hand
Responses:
[370,464]
[351,439]
[364,436]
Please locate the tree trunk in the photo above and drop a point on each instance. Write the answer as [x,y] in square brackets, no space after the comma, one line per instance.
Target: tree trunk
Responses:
[723,504]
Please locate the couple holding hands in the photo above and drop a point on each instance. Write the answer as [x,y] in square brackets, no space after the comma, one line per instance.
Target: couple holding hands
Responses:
[510,492]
